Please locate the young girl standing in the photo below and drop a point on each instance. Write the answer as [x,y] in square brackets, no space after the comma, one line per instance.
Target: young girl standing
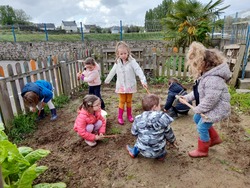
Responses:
[211,94]
[92,76]
[90,124]
[126,68]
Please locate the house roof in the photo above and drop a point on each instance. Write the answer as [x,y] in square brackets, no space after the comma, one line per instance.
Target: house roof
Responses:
[115,28]
[89,26]
[48,25]
[69,23]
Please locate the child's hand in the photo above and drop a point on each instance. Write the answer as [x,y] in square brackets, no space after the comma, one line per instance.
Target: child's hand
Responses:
[79,74]
[174,145]
[145,86]
[32,109]
[99,137]
[182,99]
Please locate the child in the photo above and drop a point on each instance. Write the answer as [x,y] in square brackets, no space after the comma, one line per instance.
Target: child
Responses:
[126,68]
[92,76]
[211,70]
[36,94]
[90,124]
[152,129]
[173,107]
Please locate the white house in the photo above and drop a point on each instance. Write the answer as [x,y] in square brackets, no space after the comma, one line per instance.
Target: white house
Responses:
[69,26]
[87,28]
[115,29]
[49,26]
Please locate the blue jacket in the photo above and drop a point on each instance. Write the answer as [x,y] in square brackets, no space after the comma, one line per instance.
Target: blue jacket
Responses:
[41,87]
[175,89]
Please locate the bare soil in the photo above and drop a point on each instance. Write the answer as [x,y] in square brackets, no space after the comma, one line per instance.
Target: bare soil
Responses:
[109,165]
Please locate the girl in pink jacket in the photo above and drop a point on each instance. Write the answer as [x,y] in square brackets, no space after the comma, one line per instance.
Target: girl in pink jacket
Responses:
[90,124]
[92,76]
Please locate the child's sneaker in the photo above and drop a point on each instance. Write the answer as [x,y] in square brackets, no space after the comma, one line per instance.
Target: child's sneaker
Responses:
[133,151]
[91,143]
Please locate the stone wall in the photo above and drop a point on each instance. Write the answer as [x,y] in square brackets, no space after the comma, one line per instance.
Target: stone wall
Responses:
[28,50]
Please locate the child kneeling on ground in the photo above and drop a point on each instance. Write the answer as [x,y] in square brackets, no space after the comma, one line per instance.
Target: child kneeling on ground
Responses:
[152,129]
[90,123]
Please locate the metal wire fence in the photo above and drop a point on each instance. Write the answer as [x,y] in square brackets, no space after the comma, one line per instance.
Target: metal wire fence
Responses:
[46,32]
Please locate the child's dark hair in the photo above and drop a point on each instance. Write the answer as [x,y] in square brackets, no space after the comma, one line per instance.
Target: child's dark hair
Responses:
[88,102]
[30,99]
[90,61]
[175,80]
[149,101]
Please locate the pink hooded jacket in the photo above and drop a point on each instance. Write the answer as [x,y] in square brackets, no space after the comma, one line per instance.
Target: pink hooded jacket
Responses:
[83,119]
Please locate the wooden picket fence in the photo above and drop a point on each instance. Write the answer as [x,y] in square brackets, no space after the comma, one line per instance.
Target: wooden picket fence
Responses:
[61,70]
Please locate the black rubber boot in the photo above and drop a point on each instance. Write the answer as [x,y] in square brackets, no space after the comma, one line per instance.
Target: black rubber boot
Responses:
[53,114]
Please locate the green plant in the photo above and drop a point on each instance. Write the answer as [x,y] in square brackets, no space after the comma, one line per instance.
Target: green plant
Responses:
[19,168]
[240,101]
[60,101]
[173,62]
[158,80]
[21,126]
[115,130]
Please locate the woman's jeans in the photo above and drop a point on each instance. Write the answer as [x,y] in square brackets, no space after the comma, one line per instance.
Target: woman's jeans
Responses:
[202,128]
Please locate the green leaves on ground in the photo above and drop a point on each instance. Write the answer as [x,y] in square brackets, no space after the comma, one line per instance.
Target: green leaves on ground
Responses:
[19,168]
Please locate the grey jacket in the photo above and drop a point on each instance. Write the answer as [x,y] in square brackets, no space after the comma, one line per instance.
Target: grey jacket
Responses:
[152,129]
[213,93]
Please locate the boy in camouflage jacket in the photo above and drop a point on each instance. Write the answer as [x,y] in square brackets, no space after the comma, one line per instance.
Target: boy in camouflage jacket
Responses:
[152,129]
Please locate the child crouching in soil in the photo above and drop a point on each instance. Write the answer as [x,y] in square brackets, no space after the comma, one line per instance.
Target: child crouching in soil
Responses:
[152,129]
[90,124]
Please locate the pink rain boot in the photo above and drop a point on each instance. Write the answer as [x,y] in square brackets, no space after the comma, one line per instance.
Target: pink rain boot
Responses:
[120,118]
[129,115]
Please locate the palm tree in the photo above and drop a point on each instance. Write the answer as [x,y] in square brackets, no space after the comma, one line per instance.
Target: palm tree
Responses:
[190,20]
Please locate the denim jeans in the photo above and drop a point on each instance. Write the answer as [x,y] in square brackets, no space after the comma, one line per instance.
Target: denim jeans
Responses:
[202,127]
[96,90]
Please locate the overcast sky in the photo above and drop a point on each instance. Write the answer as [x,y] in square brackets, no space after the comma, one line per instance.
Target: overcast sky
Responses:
[99,12]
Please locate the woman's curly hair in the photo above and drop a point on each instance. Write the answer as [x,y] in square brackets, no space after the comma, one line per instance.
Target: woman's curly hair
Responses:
[200,59]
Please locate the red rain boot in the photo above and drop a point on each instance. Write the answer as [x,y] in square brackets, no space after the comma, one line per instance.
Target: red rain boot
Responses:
[202,150]
[120,118]
[215,139]
[129,115]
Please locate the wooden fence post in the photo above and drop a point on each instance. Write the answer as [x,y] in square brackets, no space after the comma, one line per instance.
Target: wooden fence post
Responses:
[155,68]
[65,78]
[5,104]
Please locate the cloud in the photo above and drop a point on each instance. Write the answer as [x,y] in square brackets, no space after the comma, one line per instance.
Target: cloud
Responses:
[99,12]
[88,4]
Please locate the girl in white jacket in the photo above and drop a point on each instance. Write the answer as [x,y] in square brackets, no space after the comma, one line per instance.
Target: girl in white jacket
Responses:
[126,68]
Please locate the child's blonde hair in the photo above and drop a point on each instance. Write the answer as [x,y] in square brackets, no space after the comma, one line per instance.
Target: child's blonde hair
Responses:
[121,45]
[149,101]
[88,102]
[30,99]
[201,59]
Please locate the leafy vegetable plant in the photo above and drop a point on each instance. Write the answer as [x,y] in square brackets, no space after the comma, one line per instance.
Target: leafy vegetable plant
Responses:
[19,168]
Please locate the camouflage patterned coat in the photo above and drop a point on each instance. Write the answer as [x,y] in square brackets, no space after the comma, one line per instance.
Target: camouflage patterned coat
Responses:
[152,129]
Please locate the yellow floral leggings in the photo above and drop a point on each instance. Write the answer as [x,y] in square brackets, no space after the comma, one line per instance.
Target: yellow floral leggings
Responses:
[125,98]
